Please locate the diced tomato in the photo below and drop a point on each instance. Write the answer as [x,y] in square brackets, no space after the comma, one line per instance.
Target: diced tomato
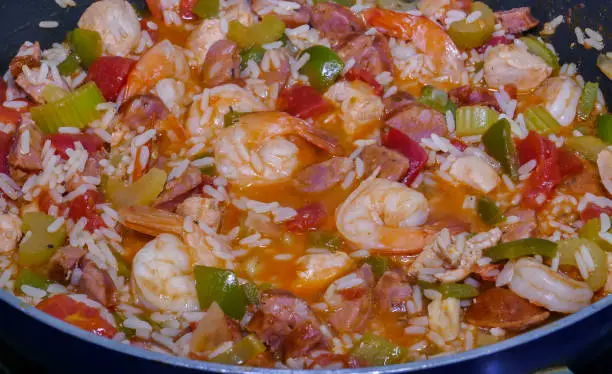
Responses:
[63,142]
[511,90]
[309,217]
[594,211]
[303,102]
[496,40]
[155,8]
[367,77]
[9,115]
[5,147]
[569,163]
[77,314]
[459,144]
[45,201]
[186,9]
[85,206]
[397,140]
[535,147]
[3,88]
[110,74]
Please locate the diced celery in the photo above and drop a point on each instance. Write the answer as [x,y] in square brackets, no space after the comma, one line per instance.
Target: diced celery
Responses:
[591,230]
[539,120]
[571,248]
[38,246]
[474,120]
[206,8]
[468,35]
[142,192]
[377,351]
[75,110]
[539,49]
[87,44]
[255,53]
[270,29]
[248,347]
[587,146]
[52,93]
[604,127]
[71,64]
[29,278]
[587,100]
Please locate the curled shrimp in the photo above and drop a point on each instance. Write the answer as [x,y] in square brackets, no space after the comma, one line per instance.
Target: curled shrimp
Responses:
[604,165]
[561,96]
[545,287]
[256,149]
[381,215]
[163,60]
[427,36]
[162,275]
[10,232]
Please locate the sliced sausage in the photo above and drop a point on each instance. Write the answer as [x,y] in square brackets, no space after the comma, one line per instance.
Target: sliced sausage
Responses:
[418,121]
[63,261]
[396,102]
[222,63]
[180,186]
[97,284]
[282,319]
[28,55]
[393,165]
[500,307]
[32,84]
[470,95]
[352,306]
[517,20]
[143,110]
[392,292]
[323,176]
[291,17]
[335,22]
[26,152]
[308,217]
[522,229]
[370,53]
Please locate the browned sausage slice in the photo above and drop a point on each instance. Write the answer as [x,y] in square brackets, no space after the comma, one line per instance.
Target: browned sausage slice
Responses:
[516,20]
[418,121]
[323,176]
[393,165]
[370,52]
[222,63]
[336,22]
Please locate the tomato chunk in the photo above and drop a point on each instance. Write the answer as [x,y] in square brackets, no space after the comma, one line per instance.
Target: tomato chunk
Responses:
[110,74]
[85,206]
[77,314]
[9,115]
[63,142]
[186,9]
[303,102]
[397,140]
[309,217]
[367,77]
[594,211]
[5,147]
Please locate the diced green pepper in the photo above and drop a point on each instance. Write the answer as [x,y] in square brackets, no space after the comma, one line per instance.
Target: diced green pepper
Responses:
[87,44]
[254,53]
[539,120]
[206,8]
[142,192]
[587,146]
[32,279]
[129,333]
[474,34]
[379,264]
[397,5]
[41,244]
[590,230]
[488,211]
[252,292]
[75,110]
[437,99]
[291,48]
[454,290]
[498,143]
[52,93]
[248,347]
[209,170]
[270,29]
[587,100]
[71,64]
[599,273]
[123,268]
[323,239]
[474,120]
[520,248]
[539,49]
[231,118]
[604,127]
[323,67]
[220,286]
[377,351]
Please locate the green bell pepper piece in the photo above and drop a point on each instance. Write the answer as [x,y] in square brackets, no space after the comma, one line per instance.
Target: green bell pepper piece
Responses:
[220,286]
[254,53]
[604,127]
[455,290]
[379,264]
[488,211]
[41,245]
[520,248]
[323,67]
[270,29]
[598,276]
[539,49]
[437,99]
[587,100]
[248,347]
[87,44]
[71,64]
[590,230]
[323,239]
[30,278]
[378,351]
[499,145]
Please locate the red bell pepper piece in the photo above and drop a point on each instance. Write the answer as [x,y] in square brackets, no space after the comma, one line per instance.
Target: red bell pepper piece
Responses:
[367,77]
[397,140]
[63,142]
[309,217]
[303,102]
[5,147]
[459,144]
[77,314]
[9,115]
[85,206]
[110,74]
[186,9]
[593,210]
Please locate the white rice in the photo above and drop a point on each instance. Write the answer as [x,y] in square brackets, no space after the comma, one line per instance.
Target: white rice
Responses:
[34,292]
[415,330]
[473,17]
[506,275]
[48,24]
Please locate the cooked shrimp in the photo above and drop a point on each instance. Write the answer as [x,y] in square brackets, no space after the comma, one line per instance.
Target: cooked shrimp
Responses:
[163,60]
[360,107]
[317,270]
[202,210]
[561,96]
[256,150]
[542,286]
[513,64]
[206,114]
[201,39]
[383,215]
[427,36]
[604,165]
[116,22]
[162,275]
[10,232]
[204,247]
[475,172]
